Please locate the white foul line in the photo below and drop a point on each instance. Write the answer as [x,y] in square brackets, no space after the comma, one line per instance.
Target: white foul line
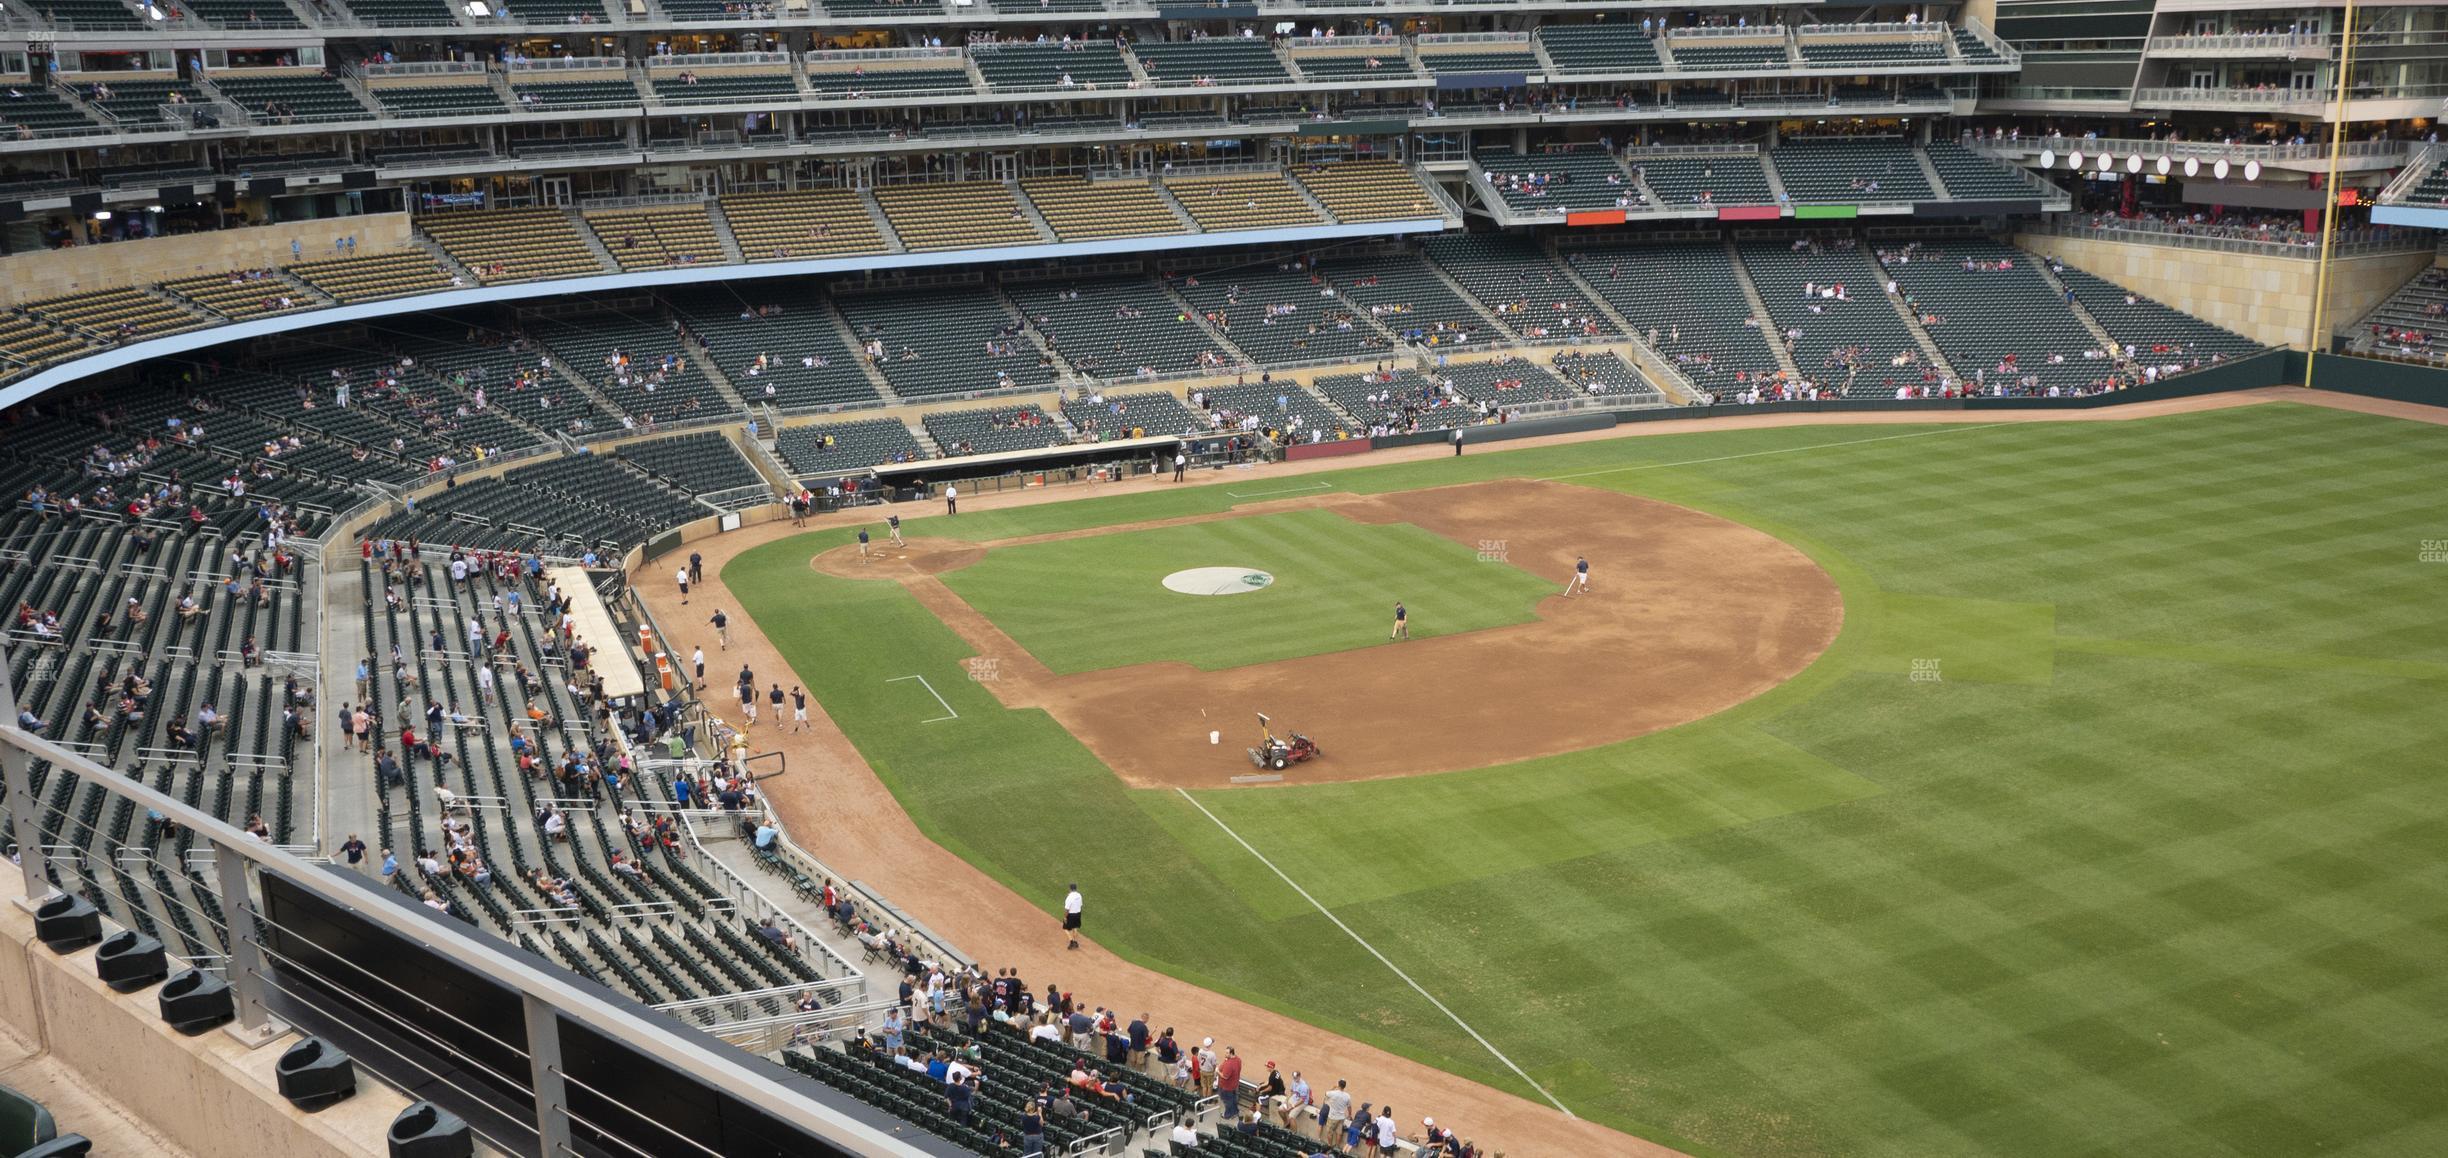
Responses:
[922,682]
[1779,450]
[1381,958]
[1282,491]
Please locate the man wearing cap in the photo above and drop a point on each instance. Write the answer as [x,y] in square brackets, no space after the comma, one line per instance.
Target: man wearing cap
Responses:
[1271,1095]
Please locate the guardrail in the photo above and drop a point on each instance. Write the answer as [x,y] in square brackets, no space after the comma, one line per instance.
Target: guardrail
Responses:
[373,70]
[2232,43]
[276,968]
[569,64]
[2179,150]
[2344,243]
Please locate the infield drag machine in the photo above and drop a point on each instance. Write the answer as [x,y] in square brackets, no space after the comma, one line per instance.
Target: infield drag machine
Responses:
[1281,752]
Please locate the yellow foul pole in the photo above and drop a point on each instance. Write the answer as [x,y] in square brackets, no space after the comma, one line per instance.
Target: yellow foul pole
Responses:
[2317,343]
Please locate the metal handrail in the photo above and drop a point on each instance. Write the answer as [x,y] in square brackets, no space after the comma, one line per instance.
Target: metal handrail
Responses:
[2346,242]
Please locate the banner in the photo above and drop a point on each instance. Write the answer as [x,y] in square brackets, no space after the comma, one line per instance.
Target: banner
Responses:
[1595,217]
[1749,213]
[1826,212]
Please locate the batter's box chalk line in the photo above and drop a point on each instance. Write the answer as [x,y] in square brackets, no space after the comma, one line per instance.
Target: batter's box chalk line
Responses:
[949,714]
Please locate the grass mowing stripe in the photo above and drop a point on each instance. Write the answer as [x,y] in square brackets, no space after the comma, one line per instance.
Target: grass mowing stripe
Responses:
[1381,958]
[1764,453]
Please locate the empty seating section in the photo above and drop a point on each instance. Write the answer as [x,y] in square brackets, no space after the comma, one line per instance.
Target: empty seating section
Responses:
[1515,279]
[244,293]
[806,223]
[1088,64]
[1683,300]
[1705,56]
[569,503]
[1081,210]
[995,430]
[36,111]
[1998,321]
[1850,171]
[116,315]
[1105,416]
[725,88]
[1925,53]
[639,363]
[562,11]
[696,463]
[779,346]
[658,238]
[575,94]
[1558,182]
[1850,335]
[1508,382]
[1283,316]
[1729,179]
[843,447]
[2152,328]
[876,82]
[1481,61]
[945,341]
[1406,297]
[301,97]
[1119,328]
[439,100]
[1216,60]
[90,15]
[139,102]
[1386,64]
[956,215]
[26,342]
[1244,201]
[1607,376]
[1975,50]
[1356,191]
[380,275]
[1600,48]
[1971,176]
[513,245]
[403,13]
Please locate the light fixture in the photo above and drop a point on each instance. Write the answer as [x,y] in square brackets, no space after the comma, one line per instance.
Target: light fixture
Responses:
[2074,159]
[2192,166]
[102,214]
[2252,170]
[2048,158]
[2107,162]
[2164,166]
[2219,169]
[2133,164]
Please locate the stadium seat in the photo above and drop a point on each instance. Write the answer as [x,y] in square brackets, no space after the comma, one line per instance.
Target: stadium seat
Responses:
[1243,201]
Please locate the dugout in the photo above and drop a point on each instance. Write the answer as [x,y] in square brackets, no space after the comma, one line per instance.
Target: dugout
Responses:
[985,474]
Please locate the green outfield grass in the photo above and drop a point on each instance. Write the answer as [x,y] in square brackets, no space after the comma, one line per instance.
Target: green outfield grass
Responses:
[1099,602]
[2153,865]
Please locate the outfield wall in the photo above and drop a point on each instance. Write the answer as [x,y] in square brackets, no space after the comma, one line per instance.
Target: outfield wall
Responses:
[2376,378]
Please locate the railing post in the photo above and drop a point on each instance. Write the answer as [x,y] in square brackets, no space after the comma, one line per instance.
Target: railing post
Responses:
[16,770]
[544,1077]
[255,1025]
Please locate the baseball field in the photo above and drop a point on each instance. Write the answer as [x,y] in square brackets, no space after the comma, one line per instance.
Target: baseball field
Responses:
[2031,789]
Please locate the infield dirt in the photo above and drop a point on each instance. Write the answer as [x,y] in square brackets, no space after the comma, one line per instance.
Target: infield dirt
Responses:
[1688,615]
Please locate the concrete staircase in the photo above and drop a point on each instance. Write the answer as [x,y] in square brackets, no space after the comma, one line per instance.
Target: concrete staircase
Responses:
[1315,205]
[1929,173]
[1759,308]
[594,244]
[883,223]
[722,232]
[1478,307]
[721,381]
[2099,333]
[1181,212]
[1776,180]
[577,380]
[1028,209]
[850,340]
[1215,335]
[1921,336]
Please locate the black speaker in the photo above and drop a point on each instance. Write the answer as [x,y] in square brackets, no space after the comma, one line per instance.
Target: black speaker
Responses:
[12,211]
[195,1001]
[131,961]
[357,179]
[64,1146]
[225,192]
[314,1073]
[83,204]
[425,1130]
[67,923]
[267,186]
